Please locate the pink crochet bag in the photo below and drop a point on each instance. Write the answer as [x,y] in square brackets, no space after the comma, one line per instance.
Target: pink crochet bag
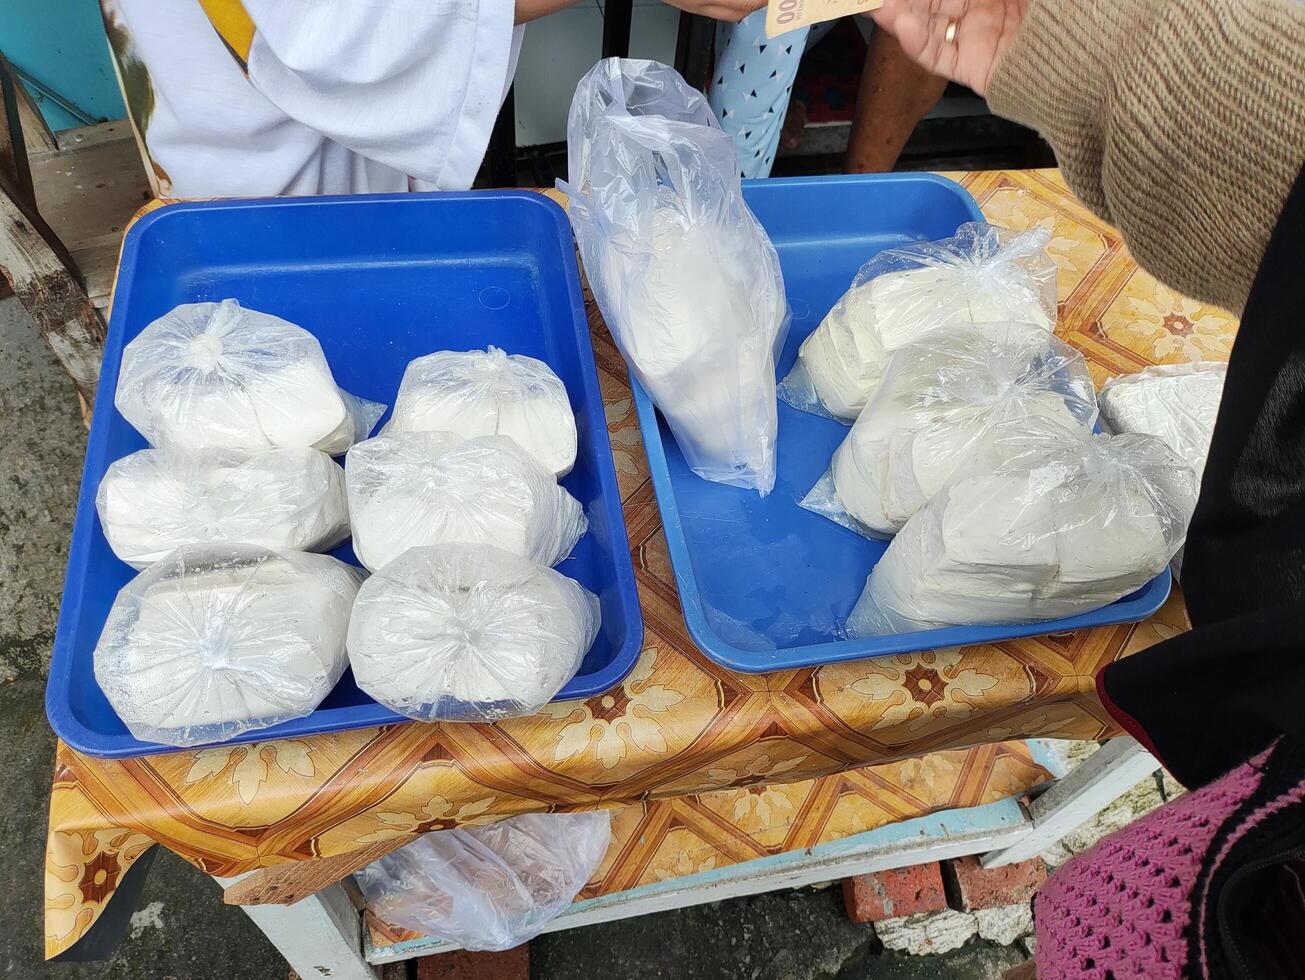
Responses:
[1173,895]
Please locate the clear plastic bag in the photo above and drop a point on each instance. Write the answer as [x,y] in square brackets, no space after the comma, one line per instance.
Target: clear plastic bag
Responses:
[1057,529]
[408,489]
[941,406]
[492,887]
[216,640]
[688,282]
[157,500]
[485,393]
[1176,403]
[218,376]
[982,275]
[468,633]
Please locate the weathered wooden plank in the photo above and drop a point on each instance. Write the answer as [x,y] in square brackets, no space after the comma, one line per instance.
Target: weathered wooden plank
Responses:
[1096,783]
[286,884]
[89,191]
[40,278]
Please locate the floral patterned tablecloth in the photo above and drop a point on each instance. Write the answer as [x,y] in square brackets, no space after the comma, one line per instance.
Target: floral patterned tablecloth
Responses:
[705,766]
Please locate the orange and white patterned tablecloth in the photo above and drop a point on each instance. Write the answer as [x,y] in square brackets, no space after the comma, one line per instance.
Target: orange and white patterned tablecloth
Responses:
[773,761]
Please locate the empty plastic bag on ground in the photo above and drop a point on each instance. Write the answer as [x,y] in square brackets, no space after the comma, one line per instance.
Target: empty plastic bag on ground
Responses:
[982,275]
[485,393]
[216,640]
[688,282]
[218,376]
[408,489]
[492,887]
[942,405]
[1176,403]
[468,633]
[1059,529]
[157,500]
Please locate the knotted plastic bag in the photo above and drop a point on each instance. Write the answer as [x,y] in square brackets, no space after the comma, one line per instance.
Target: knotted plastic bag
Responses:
[492,887]
[688,282]
[468,633]
[216,640]
[1061,528]
[218,376]
[157,500]
[1176,403]
[942,405]
[425,488]
[982,275]
[485,393]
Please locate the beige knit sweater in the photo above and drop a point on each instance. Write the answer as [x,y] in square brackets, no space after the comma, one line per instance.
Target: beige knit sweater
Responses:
[1182,122]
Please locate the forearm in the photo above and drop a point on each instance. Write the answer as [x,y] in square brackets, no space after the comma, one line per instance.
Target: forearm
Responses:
[528,10]
[1182,122]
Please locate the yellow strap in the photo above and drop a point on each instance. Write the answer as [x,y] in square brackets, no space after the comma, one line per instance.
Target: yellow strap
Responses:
[233,25]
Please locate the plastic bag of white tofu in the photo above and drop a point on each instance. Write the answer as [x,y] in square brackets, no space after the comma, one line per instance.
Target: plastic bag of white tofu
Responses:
[410,489]
[1177,403]
[485,393]
[949,401]
[157,500]
[492,887]
[217,640]
[219,376]
[1058,529]
[983,274]
[688,282]
[461,632]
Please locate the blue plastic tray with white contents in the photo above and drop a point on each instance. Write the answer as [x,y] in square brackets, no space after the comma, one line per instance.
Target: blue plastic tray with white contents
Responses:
[379,281]
[766,585]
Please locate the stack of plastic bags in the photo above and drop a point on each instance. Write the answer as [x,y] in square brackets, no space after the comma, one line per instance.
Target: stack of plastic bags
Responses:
[942,405]
[687,280]
[229,627]
[983,274]
[1059,527]
[457,510]
[491,887]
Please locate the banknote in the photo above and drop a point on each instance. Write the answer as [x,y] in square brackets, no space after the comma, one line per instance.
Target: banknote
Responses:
[783,16]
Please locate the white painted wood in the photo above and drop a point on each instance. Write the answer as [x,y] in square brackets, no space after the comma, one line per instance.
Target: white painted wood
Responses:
[955,834]
[1096,783]
[320,936]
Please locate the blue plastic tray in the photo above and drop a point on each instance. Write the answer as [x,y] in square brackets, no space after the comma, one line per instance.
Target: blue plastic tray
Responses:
[764,584]
[379,280]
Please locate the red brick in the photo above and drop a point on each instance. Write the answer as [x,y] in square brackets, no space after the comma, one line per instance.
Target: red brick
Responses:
[971,886]
[512,964]
[895,892]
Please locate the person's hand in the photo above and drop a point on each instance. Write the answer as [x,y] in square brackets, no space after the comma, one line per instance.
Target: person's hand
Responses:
[983,29]
[730,10]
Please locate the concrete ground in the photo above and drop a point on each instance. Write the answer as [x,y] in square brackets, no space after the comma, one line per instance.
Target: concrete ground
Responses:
[182,930]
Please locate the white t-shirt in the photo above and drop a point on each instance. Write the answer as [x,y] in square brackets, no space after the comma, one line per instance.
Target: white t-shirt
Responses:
[342,96]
